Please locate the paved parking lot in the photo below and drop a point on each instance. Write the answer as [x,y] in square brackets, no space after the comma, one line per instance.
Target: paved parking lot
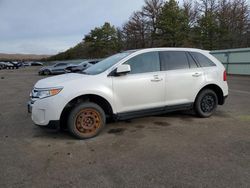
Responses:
[173,150]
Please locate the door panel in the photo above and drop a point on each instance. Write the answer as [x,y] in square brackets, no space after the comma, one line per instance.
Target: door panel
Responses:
[183,85]
[139,91]
[59,69]
[142,88]
[183,77]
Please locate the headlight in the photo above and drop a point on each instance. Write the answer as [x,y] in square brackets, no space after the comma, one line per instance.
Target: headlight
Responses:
[43,93]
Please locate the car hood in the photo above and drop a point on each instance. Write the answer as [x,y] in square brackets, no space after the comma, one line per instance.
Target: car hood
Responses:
[59,81]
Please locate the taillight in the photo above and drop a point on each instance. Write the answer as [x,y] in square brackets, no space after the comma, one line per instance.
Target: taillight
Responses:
[225,76]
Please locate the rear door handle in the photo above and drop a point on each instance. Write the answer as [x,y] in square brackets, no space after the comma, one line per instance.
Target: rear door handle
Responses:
[156,79]
[197,74]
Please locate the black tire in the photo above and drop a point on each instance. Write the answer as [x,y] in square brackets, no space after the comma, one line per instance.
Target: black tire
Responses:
[46,72]
[206,103]
[86,120]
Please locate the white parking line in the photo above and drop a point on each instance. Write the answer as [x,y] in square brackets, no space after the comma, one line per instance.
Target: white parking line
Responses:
[239,91]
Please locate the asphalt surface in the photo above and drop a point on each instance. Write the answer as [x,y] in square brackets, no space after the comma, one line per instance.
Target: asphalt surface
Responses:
[173,150]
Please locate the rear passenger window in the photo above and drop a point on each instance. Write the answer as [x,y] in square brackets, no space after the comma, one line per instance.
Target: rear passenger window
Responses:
[147,62]
[202,59]
[172,60]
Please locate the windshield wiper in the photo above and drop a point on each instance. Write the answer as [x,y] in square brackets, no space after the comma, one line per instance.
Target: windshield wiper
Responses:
[83,72]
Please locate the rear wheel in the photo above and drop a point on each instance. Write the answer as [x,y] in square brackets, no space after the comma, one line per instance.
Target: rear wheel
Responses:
[86,120]
[206,103]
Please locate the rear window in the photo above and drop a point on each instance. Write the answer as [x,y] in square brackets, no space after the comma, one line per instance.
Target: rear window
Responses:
[202,59]
[173,60]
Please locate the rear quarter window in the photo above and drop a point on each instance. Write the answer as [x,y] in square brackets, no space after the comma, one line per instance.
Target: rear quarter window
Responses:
[202,59]
[191,61]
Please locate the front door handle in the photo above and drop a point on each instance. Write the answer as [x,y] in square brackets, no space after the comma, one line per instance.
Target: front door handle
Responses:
[197,74]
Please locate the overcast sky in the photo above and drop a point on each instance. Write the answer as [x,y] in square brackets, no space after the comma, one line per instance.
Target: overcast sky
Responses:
[52,26]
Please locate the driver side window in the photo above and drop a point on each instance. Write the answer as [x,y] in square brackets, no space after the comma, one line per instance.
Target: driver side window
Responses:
[143,63]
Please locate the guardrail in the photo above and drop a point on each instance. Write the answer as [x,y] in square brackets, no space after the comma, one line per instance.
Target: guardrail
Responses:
[236,61]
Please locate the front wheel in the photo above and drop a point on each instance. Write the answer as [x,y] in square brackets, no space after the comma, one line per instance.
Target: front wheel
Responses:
[46,72]
[206,103]
[86,120]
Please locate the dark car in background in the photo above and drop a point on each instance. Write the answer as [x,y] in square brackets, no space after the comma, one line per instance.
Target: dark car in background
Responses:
[16,64]
[81,66]
[58,68]
[26,64]
[2,65]
[35,63]
[10,65]
[32,63]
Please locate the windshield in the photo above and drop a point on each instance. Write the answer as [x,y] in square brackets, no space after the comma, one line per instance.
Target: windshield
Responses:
[105,64]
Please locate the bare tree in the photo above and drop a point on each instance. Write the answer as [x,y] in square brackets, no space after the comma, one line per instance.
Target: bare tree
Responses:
[207,24]
[239,22]
[233,19]
[207,6]
[136,31]
[191,11]
[151,11]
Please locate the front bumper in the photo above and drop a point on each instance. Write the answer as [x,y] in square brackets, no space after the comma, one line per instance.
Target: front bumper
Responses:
[40,72]
[45,112]
[29,106]
[52,125]
[67,70]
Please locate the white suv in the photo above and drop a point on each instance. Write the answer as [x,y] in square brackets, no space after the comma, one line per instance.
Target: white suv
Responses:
[128,85]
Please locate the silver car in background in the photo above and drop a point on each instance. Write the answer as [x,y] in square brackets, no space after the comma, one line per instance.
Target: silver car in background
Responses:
[81,66]
[58,68]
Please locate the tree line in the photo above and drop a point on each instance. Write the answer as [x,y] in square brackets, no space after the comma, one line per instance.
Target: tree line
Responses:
[204,24]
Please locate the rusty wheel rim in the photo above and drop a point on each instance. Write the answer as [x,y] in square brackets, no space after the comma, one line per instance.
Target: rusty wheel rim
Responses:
[88,121]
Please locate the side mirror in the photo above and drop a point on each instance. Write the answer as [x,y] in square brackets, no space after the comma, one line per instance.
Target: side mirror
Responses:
[123,69]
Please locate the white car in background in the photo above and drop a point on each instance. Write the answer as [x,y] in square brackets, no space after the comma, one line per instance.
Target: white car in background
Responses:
[128,85]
